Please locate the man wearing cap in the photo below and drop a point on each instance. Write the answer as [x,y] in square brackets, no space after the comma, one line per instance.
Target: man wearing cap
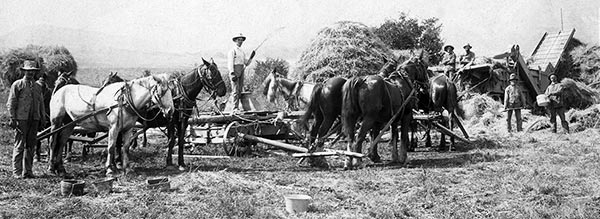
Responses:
[514,101]
[26,108]
[237,63]
[468,57]
[556,107]
[449,61]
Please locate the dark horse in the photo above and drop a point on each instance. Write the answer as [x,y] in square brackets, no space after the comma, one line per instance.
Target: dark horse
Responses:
[443,96]
[375,101]
[325,105]
[188,87]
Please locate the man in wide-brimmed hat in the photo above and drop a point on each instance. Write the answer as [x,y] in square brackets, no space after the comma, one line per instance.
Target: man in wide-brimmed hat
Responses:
[449,61]
[237,63]
[26,108]
[514,101]
[468,57]
[556,106]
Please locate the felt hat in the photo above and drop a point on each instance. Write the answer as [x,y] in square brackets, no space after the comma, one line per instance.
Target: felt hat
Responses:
[551,75]
[467,46]
[448,46]
[513,77]
[239,36]
[29,65]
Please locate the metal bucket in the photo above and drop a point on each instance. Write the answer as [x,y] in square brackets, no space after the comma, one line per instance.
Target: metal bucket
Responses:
[72,187]
[542,100]
[296,203]
[104,185]
[161,184]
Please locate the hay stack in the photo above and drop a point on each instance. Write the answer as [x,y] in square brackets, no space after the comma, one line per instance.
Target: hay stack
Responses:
[477,105]
[51,60]
[586,64]
[580,120]
[578,95]
[343,49]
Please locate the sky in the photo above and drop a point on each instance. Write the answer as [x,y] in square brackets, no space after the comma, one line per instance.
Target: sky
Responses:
[193,26]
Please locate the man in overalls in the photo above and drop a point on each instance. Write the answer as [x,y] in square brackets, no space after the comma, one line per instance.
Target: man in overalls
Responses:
[237,63]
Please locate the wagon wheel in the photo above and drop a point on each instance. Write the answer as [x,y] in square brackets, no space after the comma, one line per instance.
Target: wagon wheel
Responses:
[232,143]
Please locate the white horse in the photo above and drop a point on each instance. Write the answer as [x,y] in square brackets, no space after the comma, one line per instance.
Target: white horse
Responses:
[294,92]
[125,102]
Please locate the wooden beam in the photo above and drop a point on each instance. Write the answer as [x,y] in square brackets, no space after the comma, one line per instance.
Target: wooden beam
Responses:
[329,152]
[273,143]
[447,131]
[460,125]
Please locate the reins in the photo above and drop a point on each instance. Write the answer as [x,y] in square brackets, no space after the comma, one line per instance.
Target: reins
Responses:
[126,96]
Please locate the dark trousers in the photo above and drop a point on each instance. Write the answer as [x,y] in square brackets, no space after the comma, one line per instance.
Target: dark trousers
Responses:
[25,142]
[237,87]
[517,116]
[561,113]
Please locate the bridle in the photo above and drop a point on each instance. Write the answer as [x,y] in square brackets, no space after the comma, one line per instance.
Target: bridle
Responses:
[155,94]
[206,80]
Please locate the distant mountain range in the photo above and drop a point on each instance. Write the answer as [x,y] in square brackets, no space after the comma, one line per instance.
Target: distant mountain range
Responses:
[99,50]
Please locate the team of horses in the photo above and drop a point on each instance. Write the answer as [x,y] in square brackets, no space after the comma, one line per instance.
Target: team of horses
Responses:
[367,104]
[370,103]
[117,105]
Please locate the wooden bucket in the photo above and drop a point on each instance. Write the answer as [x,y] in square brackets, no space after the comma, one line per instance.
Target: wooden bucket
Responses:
[72,187]
[296,203]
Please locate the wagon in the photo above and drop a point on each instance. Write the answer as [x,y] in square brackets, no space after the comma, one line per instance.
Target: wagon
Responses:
[237,133]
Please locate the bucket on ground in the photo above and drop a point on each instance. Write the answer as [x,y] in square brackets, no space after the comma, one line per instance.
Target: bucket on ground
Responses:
[542,100]
[72,187]
[161,184]
[296,203]
[104,185]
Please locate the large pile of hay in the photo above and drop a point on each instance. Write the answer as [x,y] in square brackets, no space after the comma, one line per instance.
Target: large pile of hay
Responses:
[586,64]
[578,95]
[481,109]
[580,120]
[343,49]
[51,60]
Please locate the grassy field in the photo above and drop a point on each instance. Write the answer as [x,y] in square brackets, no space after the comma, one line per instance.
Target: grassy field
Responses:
[499,175]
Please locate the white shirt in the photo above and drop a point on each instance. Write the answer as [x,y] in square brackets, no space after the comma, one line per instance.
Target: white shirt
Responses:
[236,56]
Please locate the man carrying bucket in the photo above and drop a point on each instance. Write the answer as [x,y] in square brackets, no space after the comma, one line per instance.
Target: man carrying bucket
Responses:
[514,101]
[237,63]
[26,108]
[556,107]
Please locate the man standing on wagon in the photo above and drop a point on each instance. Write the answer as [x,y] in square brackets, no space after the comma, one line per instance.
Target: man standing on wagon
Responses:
[556,106]
[514,101]
[237,63]
[26,108]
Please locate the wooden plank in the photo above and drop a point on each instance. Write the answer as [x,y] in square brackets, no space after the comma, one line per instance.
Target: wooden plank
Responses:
[328,152]
[460,125]
[204,156]
[273,143]
[447,131]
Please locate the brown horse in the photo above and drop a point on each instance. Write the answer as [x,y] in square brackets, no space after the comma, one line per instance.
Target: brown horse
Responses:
[325,104]
[375,101]
[443,96]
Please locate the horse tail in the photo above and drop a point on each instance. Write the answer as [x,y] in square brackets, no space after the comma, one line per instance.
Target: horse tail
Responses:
[313,104]
[350,106]
[453,100]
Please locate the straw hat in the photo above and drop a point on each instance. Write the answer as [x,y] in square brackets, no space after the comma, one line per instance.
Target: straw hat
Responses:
[446,47]
[467,46]
[239,36]
[29,65]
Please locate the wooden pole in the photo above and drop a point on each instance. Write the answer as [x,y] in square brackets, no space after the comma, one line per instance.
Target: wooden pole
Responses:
[70,124]
[329,152]
[273,143]
[448,131]
[460,125]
